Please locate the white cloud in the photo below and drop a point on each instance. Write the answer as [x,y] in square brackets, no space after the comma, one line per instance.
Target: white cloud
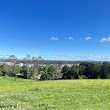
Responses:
[71,38]
[88,38]
[105,39]
[53,38]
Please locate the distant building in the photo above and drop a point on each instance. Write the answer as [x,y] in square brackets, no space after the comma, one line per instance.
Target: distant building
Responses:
[9,63]
[20,64]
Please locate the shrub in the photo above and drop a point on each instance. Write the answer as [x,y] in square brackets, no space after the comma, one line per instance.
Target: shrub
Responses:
[82,77]
[45,77]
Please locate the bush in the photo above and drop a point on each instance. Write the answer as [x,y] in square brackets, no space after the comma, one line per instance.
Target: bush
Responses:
[82,77]
[45,77]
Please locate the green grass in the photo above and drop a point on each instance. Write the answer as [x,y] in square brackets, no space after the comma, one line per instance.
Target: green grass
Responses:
[21,94]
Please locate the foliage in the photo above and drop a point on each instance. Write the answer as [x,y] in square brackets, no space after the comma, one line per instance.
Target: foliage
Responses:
[1,73]
[49,73]
[65,69]
[83,77]
[45,77]
[44,69]
[84,70]
[87,70]
[52,71]
[24,72]
[15,70]
[81,69]
[105,70]
[69,73]
[92,70]
[5,69]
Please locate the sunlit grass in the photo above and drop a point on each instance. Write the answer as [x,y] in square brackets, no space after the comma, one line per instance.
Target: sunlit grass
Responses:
[22,94]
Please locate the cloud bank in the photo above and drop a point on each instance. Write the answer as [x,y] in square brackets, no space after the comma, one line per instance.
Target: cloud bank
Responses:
[105,39]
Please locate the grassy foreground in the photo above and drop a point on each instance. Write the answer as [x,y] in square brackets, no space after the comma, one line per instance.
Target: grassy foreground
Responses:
[54,95]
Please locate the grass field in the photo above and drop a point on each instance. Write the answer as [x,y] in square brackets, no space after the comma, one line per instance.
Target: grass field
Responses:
[21,94]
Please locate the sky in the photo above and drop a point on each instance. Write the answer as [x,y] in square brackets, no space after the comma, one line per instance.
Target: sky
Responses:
[55,29]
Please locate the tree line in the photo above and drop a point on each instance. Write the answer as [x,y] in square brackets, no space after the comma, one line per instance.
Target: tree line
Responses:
[85,70]
[46,72]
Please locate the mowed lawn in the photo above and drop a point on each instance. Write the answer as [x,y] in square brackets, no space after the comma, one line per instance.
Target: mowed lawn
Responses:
[22,94]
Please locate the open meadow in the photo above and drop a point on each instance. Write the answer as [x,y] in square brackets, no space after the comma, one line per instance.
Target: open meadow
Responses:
[23,94]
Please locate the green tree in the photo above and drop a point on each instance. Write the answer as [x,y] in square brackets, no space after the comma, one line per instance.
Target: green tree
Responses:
[81,69]
[45,77]
[5,69]
[105,70]
[24,72]
[71,74]
[75,68]
[65,69]
[15,70]
[49,72]
[92,70]
[43,68]
[52,70]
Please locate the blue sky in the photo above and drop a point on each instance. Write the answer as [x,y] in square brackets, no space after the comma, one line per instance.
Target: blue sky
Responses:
[56,29]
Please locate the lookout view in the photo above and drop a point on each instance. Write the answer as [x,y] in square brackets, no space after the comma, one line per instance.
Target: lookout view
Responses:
[54,55]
